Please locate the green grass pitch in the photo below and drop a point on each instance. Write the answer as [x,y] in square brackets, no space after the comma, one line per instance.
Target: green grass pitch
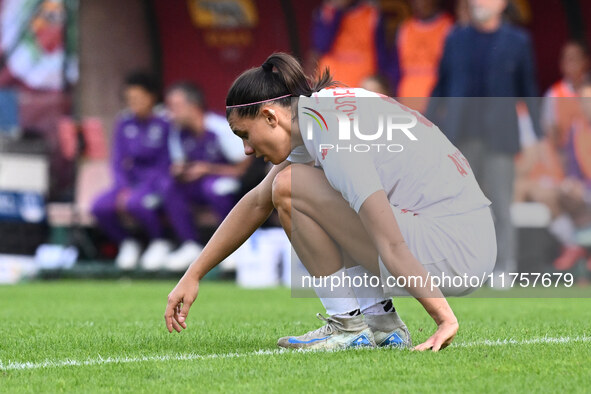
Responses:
[110,337]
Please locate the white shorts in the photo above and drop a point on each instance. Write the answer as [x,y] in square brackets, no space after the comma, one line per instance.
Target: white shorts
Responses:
[459,245]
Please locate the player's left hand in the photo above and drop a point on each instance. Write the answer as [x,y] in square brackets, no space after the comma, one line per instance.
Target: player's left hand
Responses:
[446,331]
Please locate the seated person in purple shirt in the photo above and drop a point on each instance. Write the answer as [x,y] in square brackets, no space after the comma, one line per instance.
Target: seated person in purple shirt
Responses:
[140,162]
[573,226]
[207,161]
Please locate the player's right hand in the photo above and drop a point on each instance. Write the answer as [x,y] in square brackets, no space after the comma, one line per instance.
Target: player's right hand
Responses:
[446,331]
[180,300]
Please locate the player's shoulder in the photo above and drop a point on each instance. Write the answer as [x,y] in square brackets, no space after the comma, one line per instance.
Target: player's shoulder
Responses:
[355,99]
[344,92]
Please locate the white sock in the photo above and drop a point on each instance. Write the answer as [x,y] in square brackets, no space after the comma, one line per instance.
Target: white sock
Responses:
[380,308]
[564,230]
[337,300]
[370,298]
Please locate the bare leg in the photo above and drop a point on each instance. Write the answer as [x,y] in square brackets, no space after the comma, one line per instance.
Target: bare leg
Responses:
[319,222]
[318,252]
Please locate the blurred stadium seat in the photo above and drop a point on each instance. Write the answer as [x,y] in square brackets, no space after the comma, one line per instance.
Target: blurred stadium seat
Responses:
[93,177]
[9,124]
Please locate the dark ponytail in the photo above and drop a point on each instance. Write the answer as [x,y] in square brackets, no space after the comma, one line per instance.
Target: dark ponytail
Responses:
[280,75]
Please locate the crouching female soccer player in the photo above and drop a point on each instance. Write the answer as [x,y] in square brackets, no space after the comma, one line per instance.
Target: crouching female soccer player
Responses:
[399,202]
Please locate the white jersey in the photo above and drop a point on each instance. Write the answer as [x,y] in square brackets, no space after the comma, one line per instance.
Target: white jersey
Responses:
[410,159]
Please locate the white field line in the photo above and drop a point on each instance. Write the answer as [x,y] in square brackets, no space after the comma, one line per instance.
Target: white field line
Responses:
[11,365]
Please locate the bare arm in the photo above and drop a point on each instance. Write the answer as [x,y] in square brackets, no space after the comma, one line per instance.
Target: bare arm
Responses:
[380,223]
[250,212]
[248,215]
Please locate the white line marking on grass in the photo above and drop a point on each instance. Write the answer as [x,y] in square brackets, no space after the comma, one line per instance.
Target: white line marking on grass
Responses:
[11,365]
[124,360]
[533,341]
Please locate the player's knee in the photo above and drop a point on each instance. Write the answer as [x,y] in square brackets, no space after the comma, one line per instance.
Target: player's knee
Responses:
[281,193]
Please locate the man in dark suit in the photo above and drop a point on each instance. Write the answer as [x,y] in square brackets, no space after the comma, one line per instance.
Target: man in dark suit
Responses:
[486,68]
